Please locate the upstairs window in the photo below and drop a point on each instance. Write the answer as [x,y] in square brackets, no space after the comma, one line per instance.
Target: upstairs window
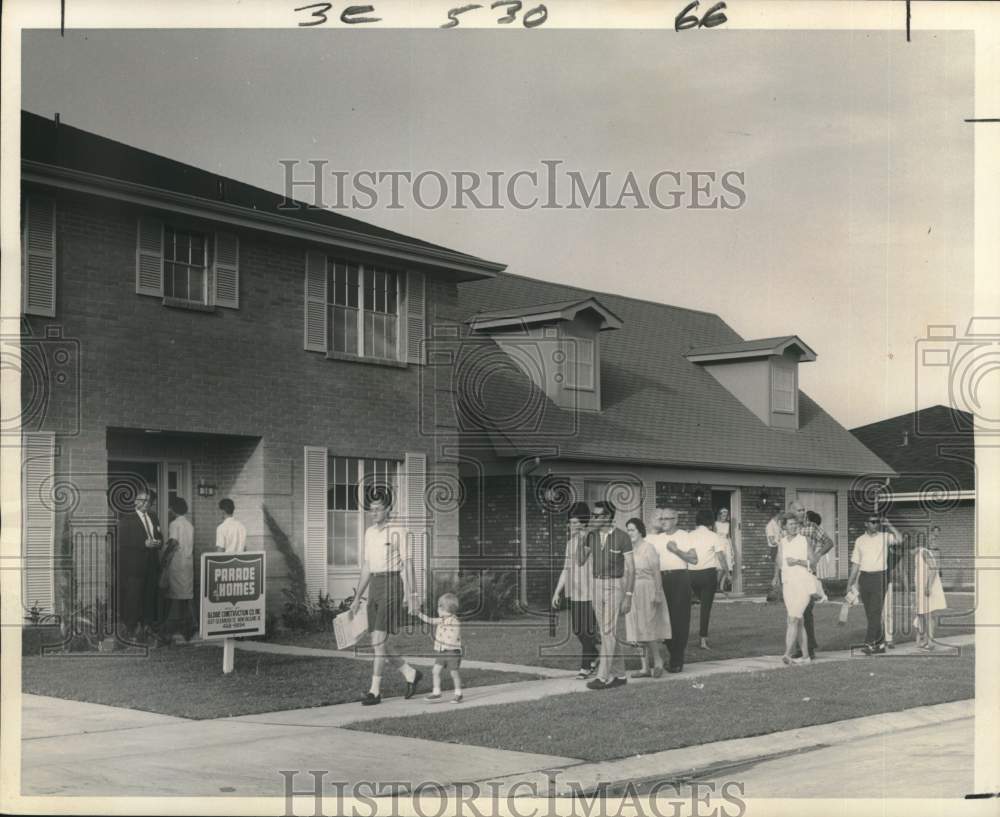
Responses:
[185,265]
[578,363]
[363,308]
[783,390]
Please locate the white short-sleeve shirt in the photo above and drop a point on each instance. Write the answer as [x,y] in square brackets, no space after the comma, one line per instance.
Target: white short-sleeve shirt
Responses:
[668,560]
[385,548]
[708,545]
[870,551]
[231,536]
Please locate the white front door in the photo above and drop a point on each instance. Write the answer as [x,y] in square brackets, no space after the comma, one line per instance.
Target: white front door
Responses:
[825,504]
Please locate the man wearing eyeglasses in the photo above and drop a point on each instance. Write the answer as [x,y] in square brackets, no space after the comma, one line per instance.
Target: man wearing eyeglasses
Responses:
[869,561]
[610,552]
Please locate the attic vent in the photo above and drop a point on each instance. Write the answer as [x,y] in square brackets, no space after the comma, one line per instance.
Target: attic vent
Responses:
[220,189]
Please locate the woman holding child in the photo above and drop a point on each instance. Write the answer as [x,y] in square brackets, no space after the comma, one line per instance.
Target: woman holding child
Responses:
[799,587]
[647,622]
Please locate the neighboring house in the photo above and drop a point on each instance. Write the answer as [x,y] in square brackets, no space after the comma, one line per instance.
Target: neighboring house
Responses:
[933,451]
[184,331]
[564,394]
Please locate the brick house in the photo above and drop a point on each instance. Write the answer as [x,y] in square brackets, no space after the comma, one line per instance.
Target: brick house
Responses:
[184,331]
[567,394]
[933,451]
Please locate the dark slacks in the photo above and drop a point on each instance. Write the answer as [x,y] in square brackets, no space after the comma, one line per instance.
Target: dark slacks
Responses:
[871,586]
[584,625]
[677,589]
[810,625]
[704,584]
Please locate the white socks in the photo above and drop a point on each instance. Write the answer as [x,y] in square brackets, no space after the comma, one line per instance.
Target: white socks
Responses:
[376,687]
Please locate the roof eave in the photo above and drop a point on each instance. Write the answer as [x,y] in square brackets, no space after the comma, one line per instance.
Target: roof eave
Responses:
[462,268]
[608,319]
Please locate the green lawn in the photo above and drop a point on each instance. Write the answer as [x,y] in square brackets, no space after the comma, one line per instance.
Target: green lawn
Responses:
[667,714]
[738,629]
[188,682]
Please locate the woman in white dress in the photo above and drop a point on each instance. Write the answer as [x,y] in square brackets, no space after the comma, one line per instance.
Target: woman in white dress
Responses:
[647,623]
[722,528]
[929,593]
[798,587]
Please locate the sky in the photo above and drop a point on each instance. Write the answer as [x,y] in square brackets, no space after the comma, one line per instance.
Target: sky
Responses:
[857,229]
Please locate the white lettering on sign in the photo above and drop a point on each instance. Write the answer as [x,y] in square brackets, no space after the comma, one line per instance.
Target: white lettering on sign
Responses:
[235,574]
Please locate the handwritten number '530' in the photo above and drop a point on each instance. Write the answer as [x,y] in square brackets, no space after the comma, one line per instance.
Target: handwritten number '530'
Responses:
[532,18]
[713,17]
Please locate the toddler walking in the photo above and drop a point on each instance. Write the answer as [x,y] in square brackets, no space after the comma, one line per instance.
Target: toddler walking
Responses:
[447,645]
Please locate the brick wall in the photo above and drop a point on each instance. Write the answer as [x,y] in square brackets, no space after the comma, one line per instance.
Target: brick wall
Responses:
[956,541]
[229,372]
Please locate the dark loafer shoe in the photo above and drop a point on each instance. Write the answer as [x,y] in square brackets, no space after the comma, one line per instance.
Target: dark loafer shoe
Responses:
[675,669]
[371,700]
[618,681]
[597,683]
[411,686]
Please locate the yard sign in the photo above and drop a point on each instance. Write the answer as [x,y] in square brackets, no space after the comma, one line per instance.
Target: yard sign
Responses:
[232,598]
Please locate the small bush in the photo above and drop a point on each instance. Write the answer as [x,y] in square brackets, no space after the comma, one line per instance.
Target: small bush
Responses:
[490,595]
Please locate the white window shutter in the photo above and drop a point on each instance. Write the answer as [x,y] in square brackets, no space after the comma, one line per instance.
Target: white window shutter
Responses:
[315,521]
[39,520]
[315,322]
[415,510]
[38,259]
[227,270]
[149,257]
[416,317]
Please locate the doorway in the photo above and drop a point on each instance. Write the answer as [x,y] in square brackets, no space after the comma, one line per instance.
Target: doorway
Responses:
[728,498]
[166,478]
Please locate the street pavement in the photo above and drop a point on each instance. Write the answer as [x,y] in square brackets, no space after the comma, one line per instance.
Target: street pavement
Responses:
[70,747]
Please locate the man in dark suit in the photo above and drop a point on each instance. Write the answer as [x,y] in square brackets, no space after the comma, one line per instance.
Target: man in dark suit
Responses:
[138,567]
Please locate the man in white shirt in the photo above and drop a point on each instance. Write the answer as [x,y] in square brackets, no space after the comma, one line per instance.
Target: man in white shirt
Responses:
[230,536]
[869,561]
[670,544]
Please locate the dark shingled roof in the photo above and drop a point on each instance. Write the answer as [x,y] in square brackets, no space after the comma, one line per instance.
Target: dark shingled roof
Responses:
[74,149]
[657,406]
[762,345]
[939,450]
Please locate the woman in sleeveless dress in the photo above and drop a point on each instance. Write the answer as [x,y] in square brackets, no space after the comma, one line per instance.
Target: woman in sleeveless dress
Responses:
[929,593]
[647,622]
[798,587]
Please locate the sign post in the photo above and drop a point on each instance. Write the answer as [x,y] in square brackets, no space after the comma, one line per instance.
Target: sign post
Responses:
[232,599]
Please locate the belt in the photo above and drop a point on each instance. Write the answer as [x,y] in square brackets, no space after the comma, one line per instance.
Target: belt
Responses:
[675,570]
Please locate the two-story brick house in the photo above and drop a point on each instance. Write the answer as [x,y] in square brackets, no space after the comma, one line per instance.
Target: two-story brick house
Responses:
[190,332]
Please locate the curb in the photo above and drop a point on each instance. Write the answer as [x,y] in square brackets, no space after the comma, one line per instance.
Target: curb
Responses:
[695,761]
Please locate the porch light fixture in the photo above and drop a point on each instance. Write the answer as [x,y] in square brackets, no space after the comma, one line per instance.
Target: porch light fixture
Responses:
[205,488]
[764,499]
[698,496]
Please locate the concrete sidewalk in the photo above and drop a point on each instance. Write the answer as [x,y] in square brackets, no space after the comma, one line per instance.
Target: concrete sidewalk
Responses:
[78,748]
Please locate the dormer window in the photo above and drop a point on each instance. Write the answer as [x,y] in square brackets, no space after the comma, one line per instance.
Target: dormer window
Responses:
[783,390]
[564,342]
[762,374]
